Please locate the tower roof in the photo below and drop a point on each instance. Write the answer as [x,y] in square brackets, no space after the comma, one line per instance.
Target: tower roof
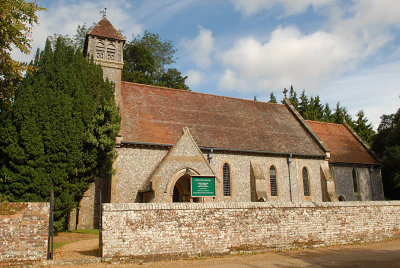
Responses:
[104,28]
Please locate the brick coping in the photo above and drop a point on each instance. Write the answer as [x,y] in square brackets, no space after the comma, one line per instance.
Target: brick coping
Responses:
[241,205]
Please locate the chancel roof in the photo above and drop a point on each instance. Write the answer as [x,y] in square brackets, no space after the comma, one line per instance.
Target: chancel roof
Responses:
[153,114]
[104,28]
[343,145]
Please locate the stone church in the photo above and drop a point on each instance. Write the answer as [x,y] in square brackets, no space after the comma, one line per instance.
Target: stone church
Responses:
[256,151]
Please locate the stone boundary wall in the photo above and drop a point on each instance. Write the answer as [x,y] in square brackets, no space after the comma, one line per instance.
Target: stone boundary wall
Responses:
[188,229]
[23,231]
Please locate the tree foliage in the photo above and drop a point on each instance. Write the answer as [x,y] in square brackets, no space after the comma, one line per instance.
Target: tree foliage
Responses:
[17,18]
[77,41]
[60,131]
[145,61]
[311,108]
[386,144]
[272,98]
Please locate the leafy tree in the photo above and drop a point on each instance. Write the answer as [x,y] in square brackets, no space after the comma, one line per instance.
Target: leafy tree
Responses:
[61,130]
[139,64]
[386,144]
[17,18]
[272,98]
[172,78]
[145,61]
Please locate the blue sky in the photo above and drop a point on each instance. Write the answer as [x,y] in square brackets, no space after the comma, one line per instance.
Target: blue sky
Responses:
[346,51]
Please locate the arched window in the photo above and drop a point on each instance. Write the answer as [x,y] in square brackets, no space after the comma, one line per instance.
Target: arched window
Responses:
[111,52]
[306,182]
[226,180]
[272,180]
[355,182]
[100,50]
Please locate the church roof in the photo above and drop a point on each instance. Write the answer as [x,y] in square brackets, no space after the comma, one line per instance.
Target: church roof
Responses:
[344,146]
[104,28]
[153,114]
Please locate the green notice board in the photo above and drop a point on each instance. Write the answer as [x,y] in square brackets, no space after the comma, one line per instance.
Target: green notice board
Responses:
[202,186]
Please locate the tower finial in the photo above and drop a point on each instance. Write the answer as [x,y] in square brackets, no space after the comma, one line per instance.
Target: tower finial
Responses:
[104,13]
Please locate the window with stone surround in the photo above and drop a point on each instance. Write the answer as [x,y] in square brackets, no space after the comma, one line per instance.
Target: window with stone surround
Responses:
[355,181]
[306,182]
[226,180]
[272,181]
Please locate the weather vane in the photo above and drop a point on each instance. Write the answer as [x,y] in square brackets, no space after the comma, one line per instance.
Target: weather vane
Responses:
[104,13]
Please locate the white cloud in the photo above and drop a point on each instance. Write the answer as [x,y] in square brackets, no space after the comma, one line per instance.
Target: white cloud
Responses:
[231,81]
[291,7]
[290,57]
[194,77]
[352,34]
[200,48]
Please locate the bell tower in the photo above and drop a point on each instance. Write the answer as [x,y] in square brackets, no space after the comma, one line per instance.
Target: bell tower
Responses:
[105,44]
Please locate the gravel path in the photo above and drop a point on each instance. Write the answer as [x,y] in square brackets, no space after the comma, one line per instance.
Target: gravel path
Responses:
[80,246]
[379,254]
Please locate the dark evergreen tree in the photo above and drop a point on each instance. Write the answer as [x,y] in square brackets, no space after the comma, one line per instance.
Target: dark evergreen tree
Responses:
[293,98]
[327,113]
[363,128]
[314,110]
[386,144]
[338,116]
[145,61]
[77,41]
[303,105]
[61,131]
[272,98]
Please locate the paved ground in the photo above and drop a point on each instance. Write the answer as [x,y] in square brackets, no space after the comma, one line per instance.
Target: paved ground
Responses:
[380,254]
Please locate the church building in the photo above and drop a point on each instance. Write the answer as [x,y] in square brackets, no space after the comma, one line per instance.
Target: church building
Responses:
[256,151]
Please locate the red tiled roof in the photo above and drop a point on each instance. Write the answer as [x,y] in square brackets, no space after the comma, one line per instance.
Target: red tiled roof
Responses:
[157,115]
[104,28]
[344,146]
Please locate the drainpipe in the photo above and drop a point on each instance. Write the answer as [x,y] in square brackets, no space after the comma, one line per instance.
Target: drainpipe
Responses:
[371,175]
[289,161]
[210,156]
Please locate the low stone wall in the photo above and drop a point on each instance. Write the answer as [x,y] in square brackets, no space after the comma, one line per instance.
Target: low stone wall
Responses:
[23,231]
[219,228]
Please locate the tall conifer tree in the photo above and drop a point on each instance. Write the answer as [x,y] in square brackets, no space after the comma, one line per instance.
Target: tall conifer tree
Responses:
[272,98]
[61,131]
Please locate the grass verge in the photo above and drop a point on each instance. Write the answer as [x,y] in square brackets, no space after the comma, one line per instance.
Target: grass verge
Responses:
[84,231]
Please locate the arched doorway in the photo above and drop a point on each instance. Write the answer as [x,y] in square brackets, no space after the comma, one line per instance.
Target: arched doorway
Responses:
[181,192]
[182,189]
[176,195]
